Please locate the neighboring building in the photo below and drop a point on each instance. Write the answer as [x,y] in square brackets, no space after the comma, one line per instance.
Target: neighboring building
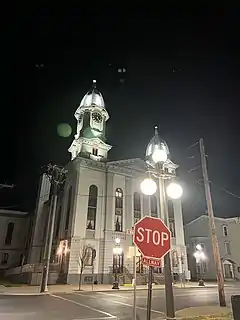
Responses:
[99,202]
[228,234]
[14,230]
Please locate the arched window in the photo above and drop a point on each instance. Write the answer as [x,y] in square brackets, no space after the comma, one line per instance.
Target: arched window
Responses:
[154,212]
[69,206]
[92,207]
[136,206]
[5,257]
[9,234]
[118,209]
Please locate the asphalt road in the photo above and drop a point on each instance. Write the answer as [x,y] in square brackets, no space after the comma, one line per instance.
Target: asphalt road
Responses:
[103,305]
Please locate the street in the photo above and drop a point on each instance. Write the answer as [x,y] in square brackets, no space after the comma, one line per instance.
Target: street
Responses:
[103,305]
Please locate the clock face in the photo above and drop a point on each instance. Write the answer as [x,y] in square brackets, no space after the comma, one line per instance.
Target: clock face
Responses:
[97,117]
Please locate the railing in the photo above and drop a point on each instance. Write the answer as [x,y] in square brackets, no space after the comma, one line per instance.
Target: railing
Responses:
[54,267]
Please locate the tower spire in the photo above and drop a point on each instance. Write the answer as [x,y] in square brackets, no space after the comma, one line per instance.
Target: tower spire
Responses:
[156,130]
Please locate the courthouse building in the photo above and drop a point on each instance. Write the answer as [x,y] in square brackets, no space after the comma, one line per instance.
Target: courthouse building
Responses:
[97,206]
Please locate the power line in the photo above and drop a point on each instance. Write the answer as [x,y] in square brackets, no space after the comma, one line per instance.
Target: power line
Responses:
[225,190]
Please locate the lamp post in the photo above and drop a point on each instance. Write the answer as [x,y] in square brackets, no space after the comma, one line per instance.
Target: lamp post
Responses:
[199,256]
[157,155]
[117,251]
[57,176]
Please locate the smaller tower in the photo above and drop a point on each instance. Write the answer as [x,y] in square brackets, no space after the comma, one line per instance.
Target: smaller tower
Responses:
[91,115]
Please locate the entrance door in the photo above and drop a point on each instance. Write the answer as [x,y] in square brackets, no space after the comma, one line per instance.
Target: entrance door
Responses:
[228,271]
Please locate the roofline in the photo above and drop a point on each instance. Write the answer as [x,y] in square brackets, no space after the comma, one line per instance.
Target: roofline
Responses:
[204,216]
[13,212]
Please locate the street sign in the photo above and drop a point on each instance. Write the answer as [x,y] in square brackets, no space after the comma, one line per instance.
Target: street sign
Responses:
[151,262]
[152,237]
[130,231]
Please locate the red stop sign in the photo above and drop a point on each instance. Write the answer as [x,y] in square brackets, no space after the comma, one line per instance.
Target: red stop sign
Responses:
[152,237]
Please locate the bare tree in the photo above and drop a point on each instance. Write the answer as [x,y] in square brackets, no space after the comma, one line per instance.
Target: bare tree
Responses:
[84,257]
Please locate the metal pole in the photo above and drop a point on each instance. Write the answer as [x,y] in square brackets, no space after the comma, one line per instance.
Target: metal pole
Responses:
[42,284]
[170,310]
[149,296]
[47,231]
[46,267]
[134,284]
[92,274]
[216,253]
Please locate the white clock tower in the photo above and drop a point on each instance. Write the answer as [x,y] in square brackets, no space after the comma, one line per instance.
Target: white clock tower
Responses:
[91,115]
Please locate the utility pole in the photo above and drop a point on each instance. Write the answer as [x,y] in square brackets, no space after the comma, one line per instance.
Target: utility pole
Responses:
[57,176]
[212,226]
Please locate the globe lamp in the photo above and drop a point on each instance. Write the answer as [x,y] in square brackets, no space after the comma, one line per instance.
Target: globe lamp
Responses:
[148,187]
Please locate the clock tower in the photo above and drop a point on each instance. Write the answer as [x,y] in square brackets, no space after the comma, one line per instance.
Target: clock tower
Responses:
[91,115]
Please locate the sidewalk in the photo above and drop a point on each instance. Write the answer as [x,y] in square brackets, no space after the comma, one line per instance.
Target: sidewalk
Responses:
[204,313]
[34,290]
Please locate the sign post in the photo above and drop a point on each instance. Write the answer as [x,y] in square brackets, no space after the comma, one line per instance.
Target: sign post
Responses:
[131,231]
[153,239]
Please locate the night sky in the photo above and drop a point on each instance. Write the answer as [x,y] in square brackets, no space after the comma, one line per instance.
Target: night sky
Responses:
[182,73]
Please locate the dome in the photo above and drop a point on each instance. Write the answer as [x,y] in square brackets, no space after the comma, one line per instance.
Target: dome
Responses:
[93,98]
[156,143]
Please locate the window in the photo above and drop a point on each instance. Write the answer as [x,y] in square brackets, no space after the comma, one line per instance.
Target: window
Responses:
[170,209]
[95,151]
[69,205]
[88,257]
[118,209]
[153,200]
[225,231]
[136,206]
[5,257]
[8,239]
[175,261]
[172,227]
[92,207]
[227,247]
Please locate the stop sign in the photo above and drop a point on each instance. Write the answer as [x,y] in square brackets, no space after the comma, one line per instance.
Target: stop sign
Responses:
[152,237]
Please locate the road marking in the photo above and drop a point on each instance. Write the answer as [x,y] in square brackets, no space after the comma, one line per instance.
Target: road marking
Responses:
[115,295]
[103,318]
[110,316]
[127,304]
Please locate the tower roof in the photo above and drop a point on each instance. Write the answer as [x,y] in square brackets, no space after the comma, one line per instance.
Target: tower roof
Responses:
[156,141]
[93,98]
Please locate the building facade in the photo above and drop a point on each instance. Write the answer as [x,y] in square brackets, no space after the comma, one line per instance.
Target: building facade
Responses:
[14,231]
[228,234]
[98,205]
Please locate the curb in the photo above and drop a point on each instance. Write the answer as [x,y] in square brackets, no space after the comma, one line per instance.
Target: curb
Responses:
[24,294]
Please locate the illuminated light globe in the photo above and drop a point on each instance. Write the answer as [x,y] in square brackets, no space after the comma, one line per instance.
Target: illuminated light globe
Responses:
[198,247]
[64,130]
[174,190]
[159,155]
[148,187]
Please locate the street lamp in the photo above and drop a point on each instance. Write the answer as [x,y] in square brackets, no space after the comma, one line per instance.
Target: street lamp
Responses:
[157,154]
[200,257]
[117,251]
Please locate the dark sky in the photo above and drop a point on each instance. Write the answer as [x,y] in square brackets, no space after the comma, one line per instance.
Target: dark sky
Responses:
[182,74]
